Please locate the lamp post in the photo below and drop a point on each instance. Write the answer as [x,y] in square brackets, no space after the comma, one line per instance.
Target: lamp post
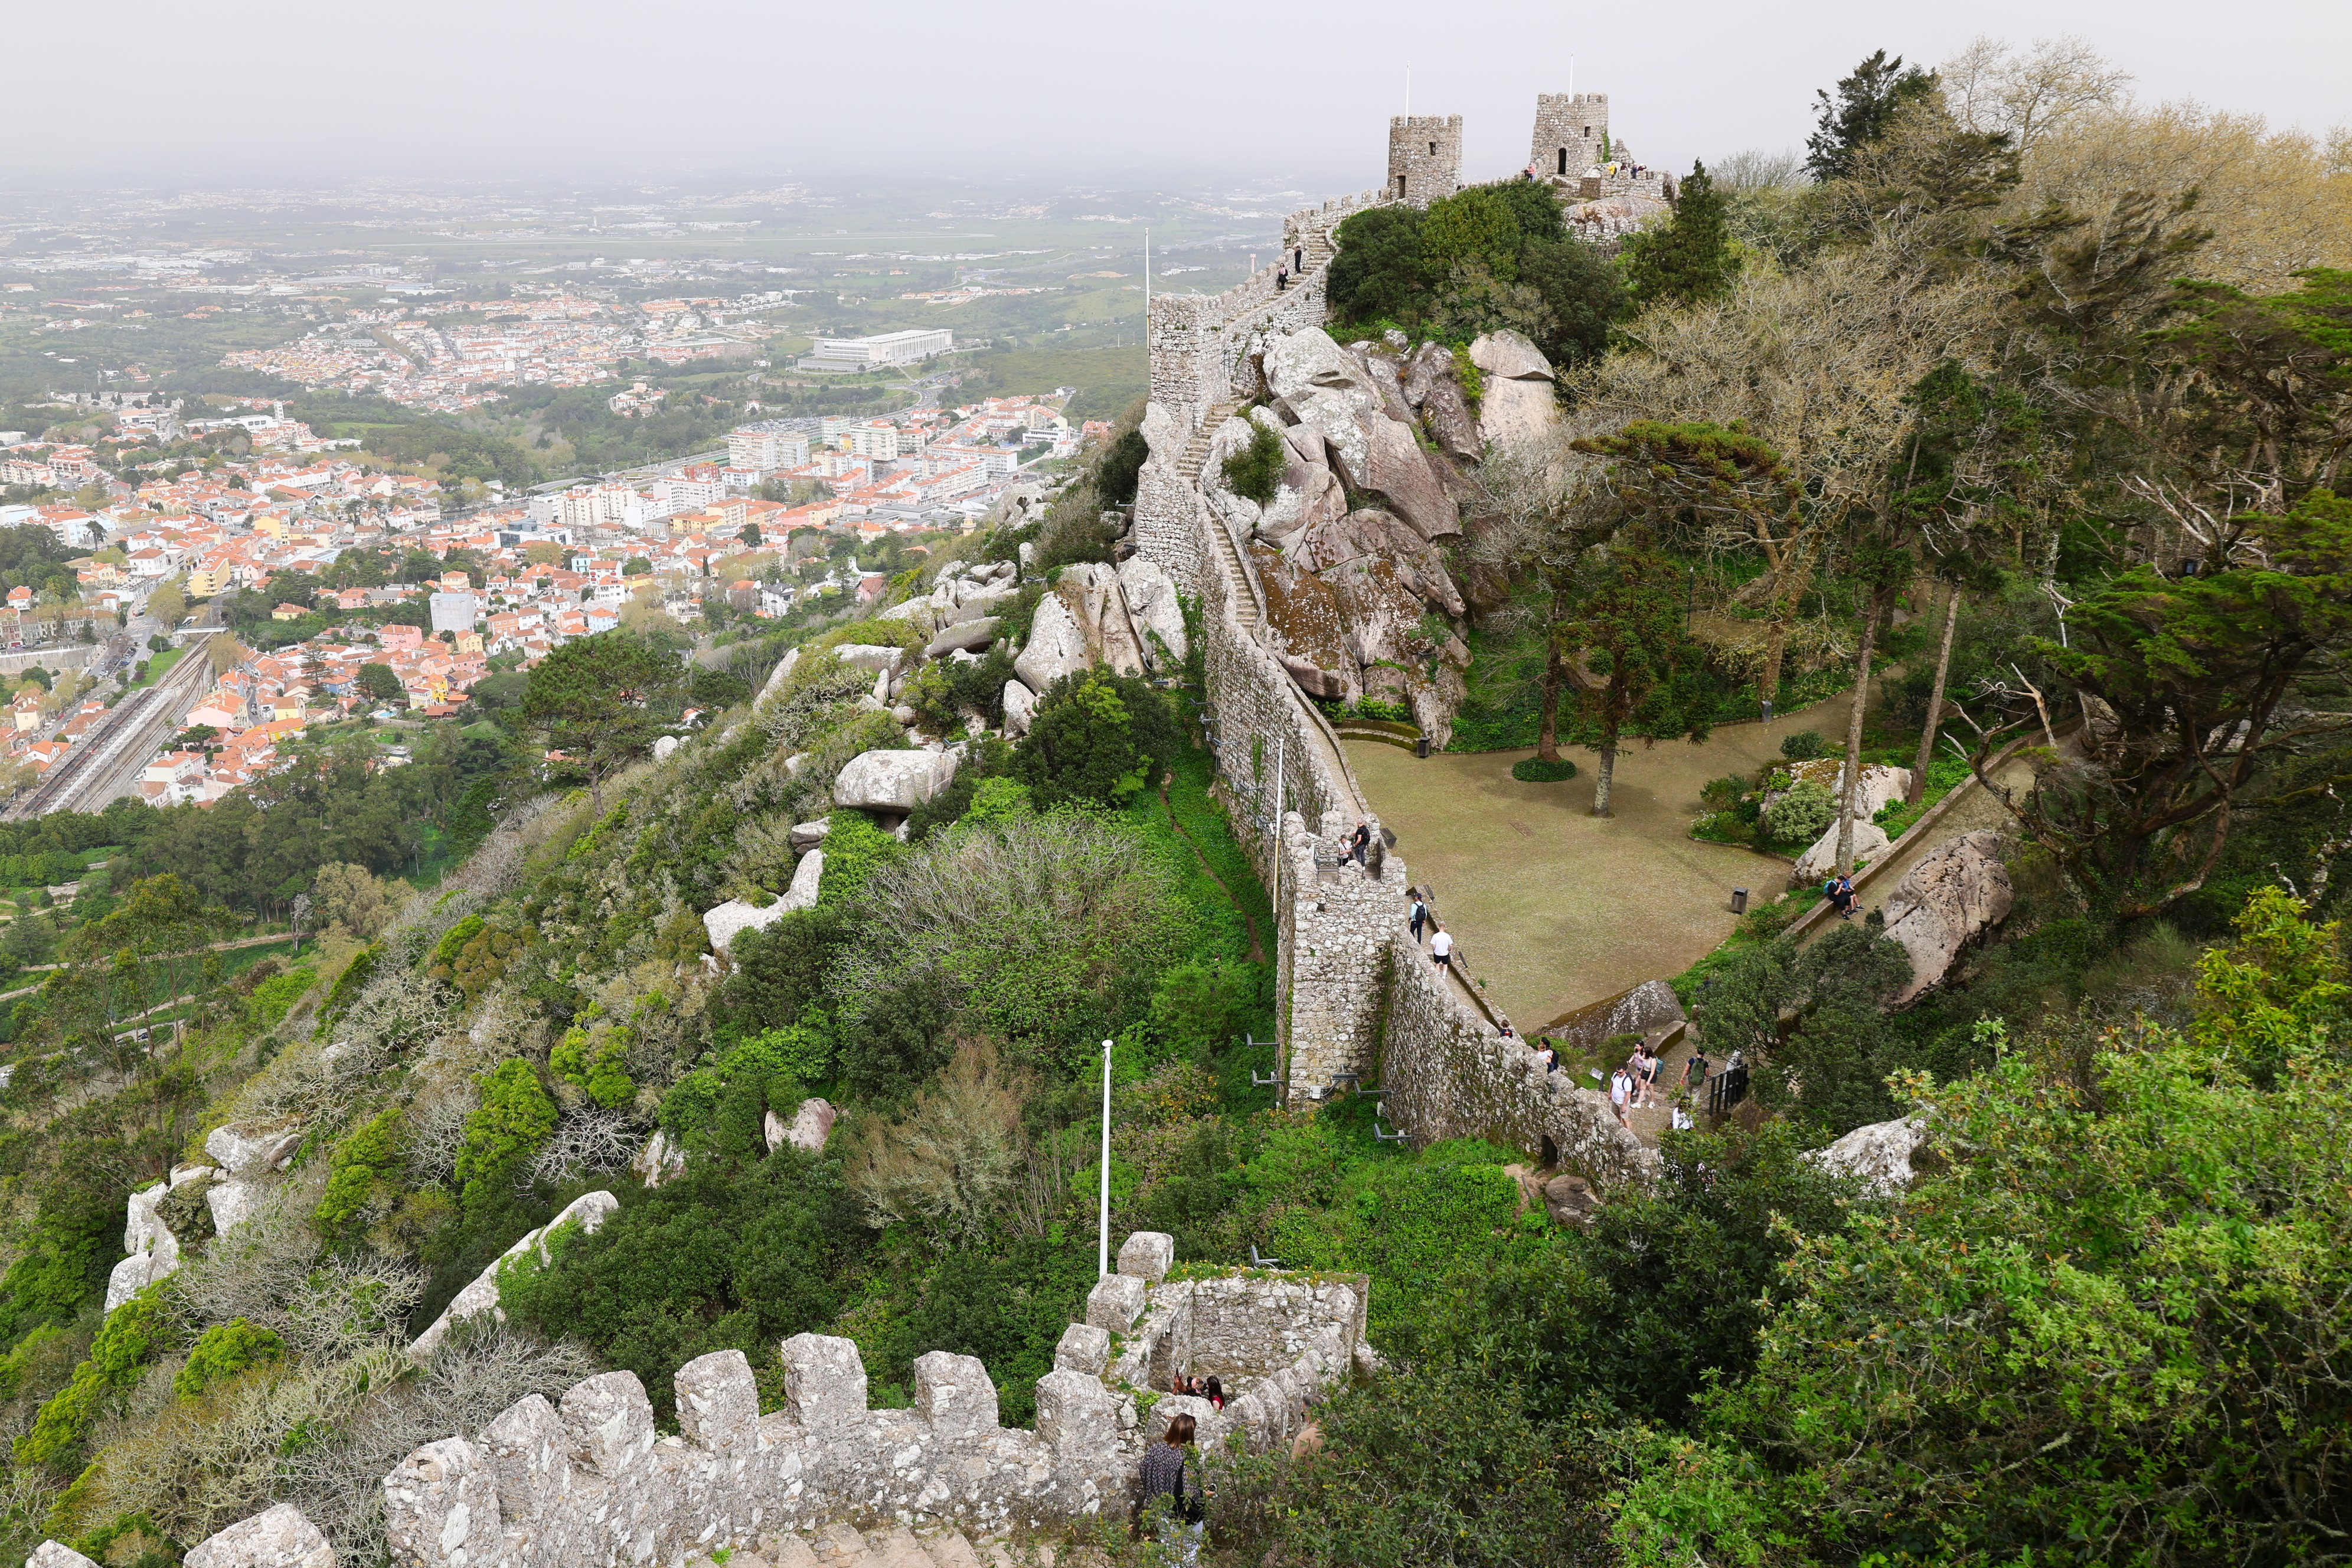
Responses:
[1102,1248]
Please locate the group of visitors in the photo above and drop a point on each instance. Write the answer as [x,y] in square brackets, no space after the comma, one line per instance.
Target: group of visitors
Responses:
[1634,1083]
[1208,1388]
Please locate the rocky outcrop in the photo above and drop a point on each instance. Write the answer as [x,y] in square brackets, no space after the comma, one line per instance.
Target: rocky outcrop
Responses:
[1431,387]
[1518,401]
[1317,383]
[809,1129]
[1056,644]
[966,637]
[278,1538]
[1816,864]
[892,782]
[871,655]
[1151,602]
[724,923]
[1880,1154]
[587,1211]
[1019,708]
[1956,893]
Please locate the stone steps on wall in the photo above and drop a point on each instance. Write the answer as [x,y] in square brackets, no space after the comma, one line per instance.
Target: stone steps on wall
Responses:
[1195,459]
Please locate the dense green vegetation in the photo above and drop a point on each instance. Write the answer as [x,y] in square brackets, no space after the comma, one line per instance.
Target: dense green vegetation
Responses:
[1495,256]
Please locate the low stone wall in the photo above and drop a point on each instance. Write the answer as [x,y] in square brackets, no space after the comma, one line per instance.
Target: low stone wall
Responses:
[1447,1074]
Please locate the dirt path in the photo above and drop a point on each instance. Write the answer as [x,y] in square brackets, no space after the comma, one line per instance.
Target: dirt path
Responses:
[1555,907]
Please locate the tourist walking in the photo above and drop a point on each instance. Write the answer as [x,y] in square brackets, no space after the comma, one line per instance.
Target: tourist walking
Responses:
[1165,1468]
[1620,1092]
[1418,915]
[1441,946]
[1298,261]
[1695,1071]
[1281,279]
[1645,1068]
[1360,841]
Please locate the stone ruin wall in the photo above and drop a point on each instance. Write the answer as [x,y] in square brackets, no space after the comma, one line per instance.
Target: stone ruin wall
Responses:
[589,1480]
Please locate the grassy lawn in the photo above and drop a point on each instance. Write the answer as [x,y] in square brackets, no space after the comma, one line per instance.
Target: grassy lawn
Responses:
[157,665]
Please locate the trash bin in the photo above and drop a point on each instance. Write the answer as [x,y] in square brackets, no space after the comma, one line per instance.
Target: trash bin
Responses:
[1738,901]
[1421,746]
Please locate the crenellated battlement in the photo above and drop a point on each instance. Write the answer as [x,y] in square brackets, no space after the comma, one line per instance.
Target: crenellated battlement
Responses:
[589,1478]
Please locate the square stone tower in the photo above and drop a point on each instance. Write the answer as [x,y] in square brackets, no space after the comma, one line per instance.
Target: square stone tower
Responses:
[1571,131]
[1424,157]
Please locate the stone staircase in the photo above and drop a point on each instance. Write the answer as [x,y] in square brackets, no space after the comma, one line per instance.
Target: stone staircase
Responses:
[840,1546]
[1189,466]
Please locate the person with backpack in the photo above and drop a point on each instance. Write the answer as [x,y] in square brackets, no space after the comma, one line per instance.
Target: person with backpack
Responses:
[1839,891]
[1164,1467]
[1695,1074]
[1418,915]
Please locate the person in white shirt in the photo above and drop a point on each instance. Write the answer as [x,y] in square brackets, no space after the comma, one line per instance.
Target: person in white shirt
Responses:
[1621,1089]
[1440,945]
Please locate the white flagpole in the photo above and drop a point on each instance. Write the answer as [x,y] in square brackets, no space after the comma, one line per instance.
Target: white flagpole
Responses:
[1102,1250]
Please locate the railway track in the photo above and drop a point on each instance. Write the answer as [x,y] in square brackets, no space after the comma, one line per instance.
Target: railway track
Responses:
[93,770]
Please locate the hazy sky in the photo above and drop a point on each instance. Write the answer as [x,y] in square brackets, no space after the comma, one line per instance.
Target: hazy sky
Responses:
[257,90]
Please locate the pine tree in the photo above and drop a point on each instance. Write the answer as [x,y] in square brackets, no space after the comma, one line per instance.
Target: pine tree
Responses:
[1690,258]
[1864,107]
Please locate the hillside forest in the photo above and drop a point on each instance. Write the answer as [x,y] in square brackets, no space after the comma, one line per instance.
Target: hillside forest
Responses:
[2019,405]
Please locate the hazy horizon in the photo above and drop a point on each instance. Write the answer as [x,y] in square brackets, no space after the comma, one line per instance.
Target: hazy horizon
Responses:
[246,94]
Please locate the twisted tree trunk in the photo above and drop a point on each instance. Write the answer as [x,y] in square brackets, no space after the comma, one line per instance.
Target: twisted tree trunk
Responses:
[1853,741]
[1935,700]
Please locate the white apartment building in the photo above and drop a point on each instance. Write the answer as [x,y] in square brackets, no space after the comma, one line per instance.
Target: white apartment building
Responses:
[877,441]
[674,493]
[766,450]
[588,506]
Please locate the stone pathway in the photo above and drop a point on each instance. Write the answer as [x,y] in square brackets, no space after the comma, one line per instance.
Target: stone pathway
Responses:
[1554,908]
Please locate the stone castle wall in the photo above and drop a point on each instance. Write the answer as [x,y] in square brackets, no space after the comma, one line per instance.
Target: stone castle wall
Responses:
[589,1480]
[1355,994]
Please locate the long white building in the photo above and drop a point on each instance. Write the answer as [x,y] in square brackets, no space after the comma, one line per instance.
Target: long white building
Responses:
[880,352]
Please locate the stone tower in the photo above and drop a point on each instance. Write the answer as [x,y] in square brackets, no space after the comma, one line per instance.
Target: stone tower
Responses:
[1424,157]
[1571,131]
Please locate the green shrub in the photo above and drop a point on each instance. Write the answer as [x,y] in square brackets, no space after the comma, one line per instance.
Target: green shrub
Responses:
[1804,745]
[1096,740]
[1803,814]
[855,847]
[514,1119]
[723,1257]
[1723,794]
[597,1064]
[1255,471]
[719,1105]
[1122,467]
[1535,770]
[133,1333]
[360,1163]
[222,1352]
[348,984]
[275,996]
